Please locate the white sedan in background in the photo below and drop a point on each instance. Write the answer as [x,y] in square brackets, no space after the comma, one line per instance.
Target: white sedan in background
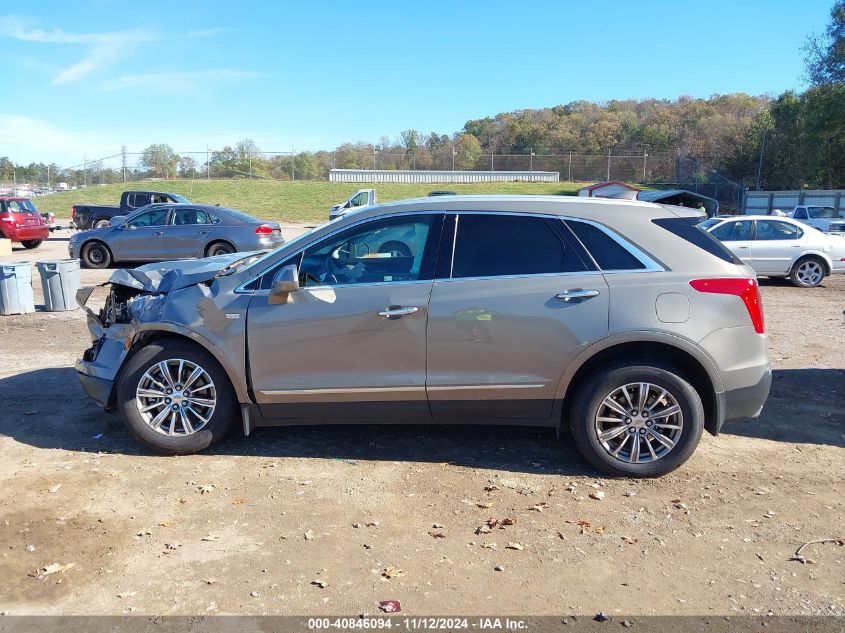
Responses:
[781,247]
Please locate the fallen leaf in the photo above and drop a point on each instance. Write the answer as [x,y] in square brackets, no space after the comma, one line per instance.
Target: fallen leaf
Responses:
[488,545]
[599,530]
[491,488]
[54,568]
[54,488]
[309,535]
[238,502]
[210,538]
[166,523]
[392,572]
[630,541]
[437,535]
[499,568]
[127,594]
[584,525]
[516,546]
[210,581]
[485,505]
[322,584]
[508,521]
[372,524]
[598,495]
[539,507]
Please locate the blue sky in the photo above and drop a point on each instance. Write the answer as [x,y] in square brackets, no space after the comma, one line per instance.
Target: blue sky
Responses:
[84,78]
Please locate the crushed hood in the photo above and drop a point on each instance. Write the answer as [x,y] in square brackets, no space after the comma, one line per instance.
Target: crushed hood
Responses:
[163,277]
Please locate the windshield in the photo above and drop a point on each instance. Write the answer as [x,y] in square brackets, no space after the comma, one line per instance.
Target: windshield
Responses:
[822,212]
[181,199]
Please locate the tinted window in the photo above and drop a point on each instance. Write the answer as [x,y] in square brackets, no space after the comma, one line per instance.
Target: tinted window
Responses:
[156,217]
[608,253]
[22,206]
[182,217]
[800,214]
[768,230]
[696,235]
[137,200]
[393,249]
[496,245]
[822,212]
[733,231]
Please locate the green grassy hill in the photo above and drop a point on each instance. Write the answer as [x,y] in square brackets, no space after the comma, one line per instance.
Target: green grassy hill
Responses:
[284,201]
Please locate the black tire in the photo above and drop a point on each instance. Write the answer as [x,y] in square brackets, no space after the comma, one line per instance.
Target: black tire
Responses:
[808,272]
[395,246]
[31,243]
[224,415]
[95,254]
[590,398]
[219,248]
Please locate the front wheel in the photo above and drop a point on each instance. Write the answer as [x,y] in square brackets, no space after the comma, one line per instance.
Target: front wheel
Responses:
[31,243]
[96,255]
[641,419]
[175,398]
[807,273]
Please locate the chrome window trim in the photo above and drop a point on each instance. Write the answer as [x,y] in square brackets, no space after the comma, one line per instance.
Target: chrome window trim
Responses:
[369,284]
[647,261]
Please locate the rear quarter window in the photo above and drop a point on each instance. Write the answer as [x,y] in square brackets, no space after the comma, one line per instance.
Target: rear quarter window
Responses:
[697,236]
[608,253]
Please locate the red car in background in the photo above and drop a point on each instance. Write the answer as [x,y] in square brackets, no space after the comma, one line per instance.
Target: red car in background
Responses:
[21,222]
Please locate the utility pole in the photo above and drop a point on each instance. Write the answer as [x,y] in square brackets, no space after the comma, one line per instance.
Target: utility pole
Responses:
[608,165]
[491,157]
[123,161]
[207,164]
[84,171]
[48,176]
[531,165]
[570,165]
[760,162]
[645,158]
[375,151]
[454,153]
[292,164]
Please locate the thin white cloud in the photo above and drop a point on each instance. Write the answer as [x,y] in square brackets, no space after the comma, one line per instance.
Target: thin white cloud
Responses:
[103,50]
[24,139]
[187,79]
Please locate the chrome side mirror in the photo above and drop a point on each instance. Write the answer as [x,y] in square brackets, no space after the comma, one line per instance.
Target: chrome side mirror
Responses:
[285,281]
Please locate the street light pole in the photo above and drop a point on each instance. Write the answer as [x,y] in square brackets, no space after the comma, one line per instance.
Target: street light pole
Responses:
[531,166]
[454,153]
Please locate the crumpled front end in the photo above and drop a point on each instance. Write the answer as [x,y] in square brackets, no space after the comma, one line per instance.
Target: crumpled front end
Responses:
[112,332]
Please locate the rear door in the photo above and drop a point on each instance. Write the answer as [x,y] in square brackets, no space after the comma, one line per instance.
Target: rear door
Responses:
[737,235]
[515,304]
[141,238]
[776,245]
[186,233]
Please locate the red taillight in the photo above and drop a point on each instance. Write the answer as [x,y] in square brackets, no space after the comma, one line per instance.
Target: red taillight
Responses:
[73,212]
[264,229]
[745,289]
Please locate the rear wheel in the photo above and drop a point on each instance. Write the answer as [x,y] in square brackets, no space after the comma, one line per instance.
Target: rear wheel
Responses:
[219,248]
[31,243]
[807,273]
[96,255]
[639,419]
[101,224]
[175,398]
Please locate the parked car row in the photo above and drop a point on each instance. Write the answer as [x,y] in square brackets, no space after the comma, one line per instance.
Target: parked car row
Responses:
[781,247]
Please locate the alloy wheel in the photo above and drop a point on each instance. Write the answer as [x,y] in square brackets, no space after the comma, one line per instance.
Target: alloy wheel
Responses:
[810,273]
[176,397]
[639,423]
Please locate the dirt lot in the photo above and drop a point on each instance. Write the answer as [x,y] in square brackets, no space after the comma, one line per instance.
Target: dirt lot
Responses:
[260,525]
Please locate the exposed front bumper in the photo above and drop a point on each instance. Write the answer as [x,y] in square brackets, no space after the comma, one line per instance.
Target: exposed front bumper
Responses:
[97,388]
[98,368]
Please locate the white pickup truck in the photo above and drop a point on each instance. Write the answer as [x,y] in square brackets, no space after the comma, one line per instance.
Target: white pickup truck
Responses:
[823,218]
[359,199]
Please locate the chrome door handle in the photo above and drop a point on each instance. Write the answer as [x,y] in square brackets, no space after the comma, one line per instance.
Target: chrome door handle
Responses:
[742,247]
[157,233]
[397,311]
[577,294]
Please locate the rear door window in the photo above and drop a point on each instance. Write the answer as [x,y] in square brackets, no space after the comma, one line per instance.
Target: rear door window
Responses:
[769,230]
[608,253]
[490,245]
[733,231]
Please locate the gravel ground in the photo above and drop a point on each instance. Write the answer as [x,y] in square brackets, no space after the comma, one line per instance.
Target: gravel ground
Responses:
[332,520]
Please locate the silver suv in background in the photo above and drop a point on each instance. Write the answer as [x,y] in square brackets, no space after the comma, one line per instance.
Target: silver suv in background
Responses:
[616,319]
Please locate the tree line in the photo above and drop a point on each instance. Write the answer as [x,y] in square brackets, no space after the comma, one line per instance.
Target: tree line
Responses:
[795,140]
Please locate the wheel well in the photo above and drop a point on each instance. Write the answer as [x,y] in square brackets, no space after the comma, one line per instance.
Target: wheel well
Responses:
[100,242]
[213,242]
[687,364]
[148,336]
[818,258]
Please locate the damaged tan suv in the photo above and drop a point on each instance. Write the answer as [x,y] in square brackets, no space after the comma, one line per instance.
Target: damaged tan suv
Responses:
[619,320]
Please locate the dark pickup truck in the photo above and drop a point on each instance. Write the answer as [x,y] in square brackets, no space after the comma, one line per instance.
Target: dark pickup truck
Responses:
[87,216]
